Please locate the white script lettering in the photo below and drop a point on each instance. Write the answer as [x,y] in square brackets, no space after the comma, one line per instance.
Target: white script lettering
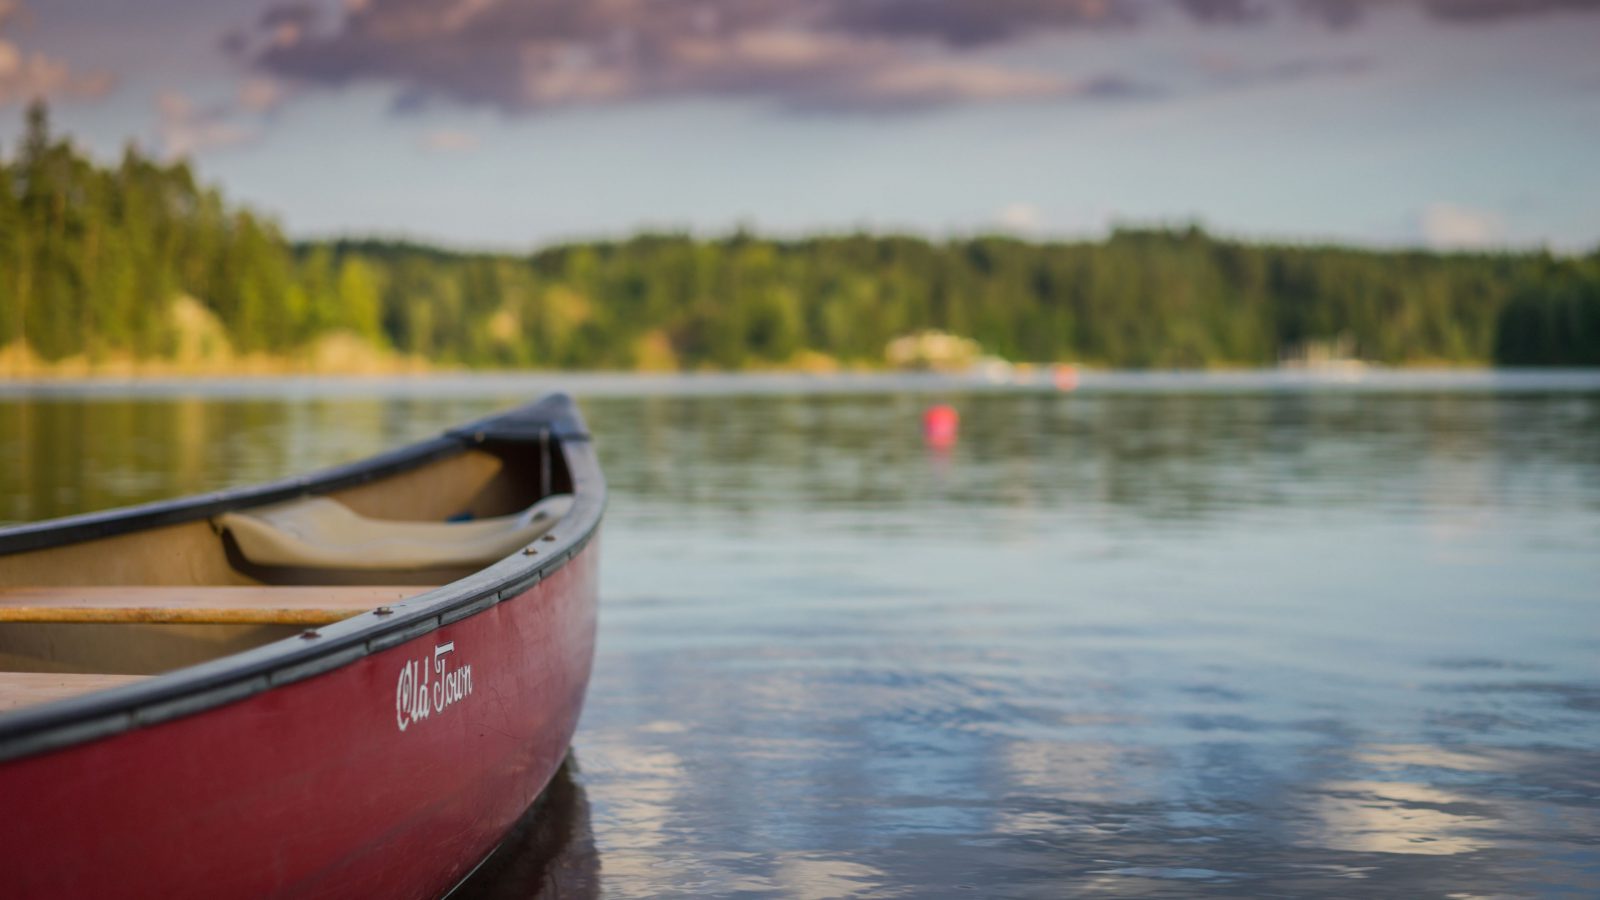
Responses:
[430,686]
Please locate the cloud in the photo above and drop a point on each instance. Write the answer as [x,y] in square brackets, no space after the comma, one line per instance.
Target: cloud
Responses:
[1489,10]
[288,23]
[261,95]
[972,23]
[1023,218]
[1446,226]
[524,56]
[25,76]
[1347,13]
[1229,12]
[187,128]
[448,140]
[519,57]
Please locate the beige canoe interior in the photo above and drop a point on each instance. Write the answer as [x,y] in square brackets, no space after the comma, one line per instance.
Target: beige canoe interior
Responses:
[101,613]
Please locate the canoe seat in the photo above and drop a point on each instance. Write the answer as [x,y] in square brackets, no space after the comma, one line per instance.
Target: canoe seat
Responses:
[253,605]
[320,533]
[18,689]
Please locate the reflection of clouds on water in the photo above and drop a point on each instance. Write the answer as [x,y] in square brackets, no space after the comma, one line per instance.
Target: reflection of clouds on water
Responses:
[644,784]
[1499,811]
[651,807]
[948,739]
[639,807]
[817,877]
[1393,756]
[1087,772]
[1394,817]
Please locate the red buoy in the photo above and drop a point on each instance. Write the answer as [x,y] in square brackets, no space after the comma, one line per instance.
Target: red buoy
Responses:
[1065,377]
[940,423]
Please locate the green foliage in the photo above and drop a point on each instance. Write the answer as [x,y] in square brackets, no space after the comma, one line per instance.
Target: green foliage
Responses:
[92,258]
[1553,317]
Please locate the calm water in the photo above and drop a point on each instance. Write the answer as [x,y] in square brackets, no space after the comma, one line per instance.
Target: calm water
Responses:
[1159,637]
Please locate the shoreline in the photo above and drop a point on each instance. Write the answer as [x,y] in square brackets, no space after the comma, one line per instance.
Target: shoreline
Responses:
[463,382]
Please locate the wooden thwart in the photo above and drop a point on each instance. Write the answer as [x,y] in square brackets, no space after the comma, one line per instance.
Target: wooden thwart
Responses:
[19,689]
[231,605]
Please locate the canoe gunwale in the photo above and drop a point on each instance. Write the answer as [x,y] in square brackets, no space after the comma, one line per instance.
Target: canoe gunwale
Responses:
[553,419]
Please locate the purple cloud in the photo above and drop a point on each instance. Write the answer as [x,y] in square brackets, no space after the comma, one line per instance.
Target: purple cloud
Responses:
[524,56]
[26,75]
[1346,13]
[1485,10]
[543,54]
[974,23]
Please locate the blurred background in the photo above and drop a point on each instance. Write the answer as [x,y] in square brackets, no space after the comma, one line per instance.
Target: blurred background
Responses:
[387,185]
[1057,447]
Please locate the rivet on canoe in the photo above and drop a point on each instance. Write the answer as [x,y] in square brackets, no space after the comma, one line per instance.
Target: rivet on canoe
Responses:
[530,551]
[309,635]
[549,537]
[383,610]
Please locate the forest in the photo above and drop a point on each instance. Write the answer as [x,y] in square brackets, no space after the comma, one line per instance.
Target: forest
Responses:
[139,260]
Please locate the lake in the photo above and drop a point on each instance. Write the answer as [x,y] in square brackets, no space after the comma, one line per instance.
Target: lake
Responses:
[1180,635]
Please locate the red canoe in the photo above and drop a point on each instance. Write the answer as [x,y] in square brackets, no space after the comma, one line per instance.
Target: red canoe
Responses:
[350,684]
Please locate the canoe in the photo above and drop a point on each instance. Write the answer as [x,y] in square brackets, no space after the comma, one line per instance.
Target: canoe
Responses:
[352,683]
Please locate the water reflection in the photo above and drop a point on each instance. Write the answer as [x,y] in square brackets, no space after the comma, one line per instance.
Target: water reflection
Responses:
[549,854]
[1132,645]
[60,456]
[1135,644]
[1396,817]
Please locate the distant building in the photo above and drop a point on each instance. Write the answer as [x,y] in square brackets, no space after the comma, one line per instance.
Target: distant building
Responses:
[1336,353]
[935,350]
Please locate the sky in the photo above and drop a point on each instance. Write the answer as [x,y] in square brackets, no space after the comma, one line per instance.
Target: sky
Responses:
[506,124]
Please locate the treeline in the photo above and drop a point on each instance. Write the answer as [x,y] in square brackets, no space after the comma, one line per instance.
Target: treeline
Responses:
[94,259]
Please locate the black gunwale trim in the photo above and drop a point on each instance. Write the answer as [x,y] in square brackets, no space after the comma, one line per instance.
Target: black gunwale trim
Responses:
[182,692]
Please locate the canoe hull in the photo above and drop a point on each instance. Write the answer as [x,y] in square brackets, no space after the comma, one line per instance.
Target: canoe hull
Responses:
[391,775]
